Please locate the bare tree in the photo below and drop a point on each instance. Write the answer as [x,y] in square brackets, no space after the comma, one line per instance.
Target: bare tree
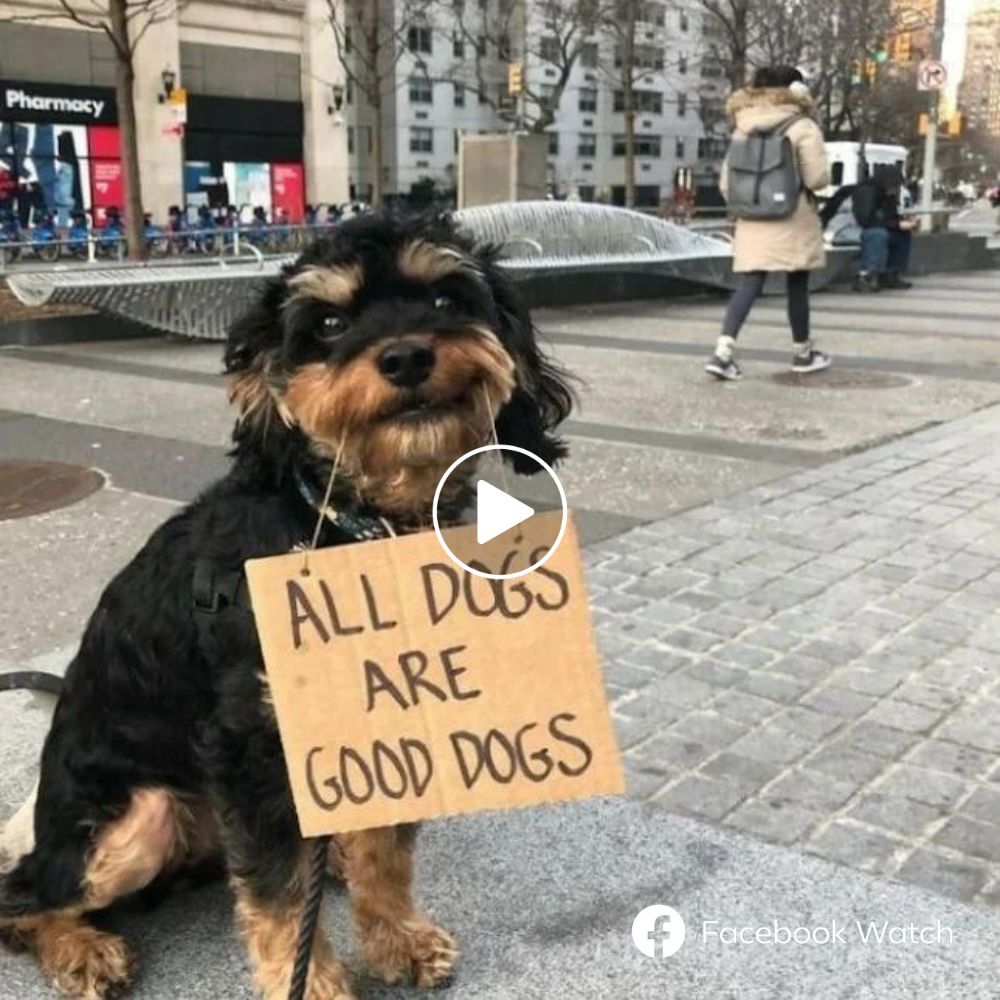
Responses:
[488,38]
[124,23]
[372,38]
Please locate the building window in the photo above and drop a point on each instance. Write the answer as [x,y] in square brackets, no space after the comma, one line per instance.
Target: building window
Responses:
[553,143]
[547,97]
[648,102]
[646,57]
[481,94]
[455,142]
[653,13]
[348,40]
[349,91]
[549,50]
[421,140]
[682,105]
[645,145]
[459,95]
[680,150]
[503,48]
[588,55]
[587,145]
[682,65]
[457,46]
[588,100]
[481,45]
[350,138]
[685,21]
[419,39]
[421,90]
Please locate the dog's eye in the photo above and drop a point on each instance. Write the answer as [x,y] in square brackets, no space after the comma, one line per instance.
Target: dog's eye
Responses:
[333,326]
[442,302]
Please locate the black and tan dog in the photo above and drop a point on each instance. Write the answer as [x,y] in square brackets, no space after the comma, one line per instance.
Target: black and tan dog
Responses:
[391,348]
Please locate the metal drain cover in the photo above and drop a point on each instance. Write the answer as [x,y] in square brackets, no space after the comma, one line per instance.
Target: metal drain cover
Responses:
[28,487]
[843,378]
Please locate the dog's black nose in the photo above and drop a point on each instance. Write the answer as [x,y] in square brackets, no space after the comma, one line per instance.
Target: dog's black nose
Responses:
[406,364]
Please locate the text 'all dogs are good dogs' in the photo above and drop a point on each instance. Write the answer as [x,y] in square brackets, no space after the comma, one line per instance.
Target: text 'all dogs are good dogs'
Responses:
[407,688]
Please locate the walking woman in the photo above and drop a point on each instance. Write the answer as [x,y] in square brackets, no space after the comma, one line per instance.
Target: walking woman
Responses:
[776,237]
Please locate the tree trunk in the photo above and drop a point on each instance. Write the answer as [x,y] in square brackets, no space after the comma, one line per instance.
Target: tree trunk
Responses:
[629,151]
[377,154]
[125,97]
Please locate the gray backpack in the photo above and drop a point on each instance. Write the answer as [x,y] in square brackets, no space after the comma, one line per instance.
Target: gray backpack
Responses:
[763,173]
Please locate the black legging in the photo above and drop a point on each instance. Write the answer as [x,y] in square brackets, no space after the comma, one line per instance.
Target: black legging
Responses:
[748,289]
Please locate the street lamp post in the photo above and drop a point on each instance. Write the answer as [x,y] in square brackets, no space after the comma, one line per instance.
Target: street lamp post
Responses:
[933,107]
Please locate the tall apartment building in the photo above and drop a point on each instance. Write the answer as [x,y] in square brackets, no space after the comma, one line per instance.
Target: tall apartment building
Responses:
[433,97]
[979,94]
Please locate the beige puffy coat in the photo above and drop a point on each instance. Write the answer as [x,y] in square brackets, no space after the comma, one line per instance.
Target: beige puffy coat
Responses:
[796,242]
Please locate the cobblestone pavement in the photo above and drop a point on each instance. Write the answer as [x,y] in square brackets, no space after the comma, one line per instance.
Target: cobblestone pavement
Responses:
[816,661]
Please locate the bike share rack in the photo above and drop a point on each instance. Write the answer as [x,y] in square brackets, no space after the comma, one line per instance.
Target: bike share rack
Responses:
[540,240]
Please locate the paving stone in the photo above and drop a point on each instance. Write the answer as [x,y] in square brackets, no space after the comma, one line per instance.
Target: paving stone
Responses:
[664,613]
[681,689]
[880,741]
[701,797]
[951,758]
[983,805]
[674,752]
[975,724]
[708,728]
[904,816]
[780,822]
[720,675]
[659,659]
[773,687]
[767,637]
[697,600]
[626,676]
[771,744]
[630,731]
[928,695]
[718,623]
[838,701]
[689,639]
[962,879]
[643,781]
[854,845]
[969,836]
[931,787]
[743,655]
[740,769]
[812,789]
[846,765]
[802,667]
[904,716]
[744,707]
[864,681]
[805,722]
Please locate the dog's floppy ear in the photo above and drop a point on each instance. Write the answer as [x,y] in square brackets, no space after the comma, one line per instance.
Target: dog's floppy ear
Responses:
[252,350]
[542,398]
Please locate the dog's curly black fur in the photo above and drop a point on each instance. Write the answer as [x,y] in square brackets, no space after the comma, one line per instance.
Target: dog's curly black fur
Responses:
[163,748]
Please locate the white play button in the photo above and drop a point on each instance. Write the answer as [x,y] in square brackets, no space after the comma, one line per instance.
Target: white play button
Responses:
[497,512]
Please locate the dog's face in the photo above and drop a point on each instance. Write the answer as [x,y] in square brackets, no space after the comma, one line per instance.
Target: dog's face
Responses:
[393,348]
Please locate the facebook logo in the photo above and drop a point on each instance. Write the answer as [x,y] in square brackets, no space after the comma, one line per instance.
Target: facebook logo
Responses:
[658,931]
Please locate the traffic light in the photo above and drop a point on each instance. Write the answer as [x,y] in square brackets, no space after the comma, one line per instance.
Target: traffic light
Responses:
[515,79]
[881,52]
[903,47]
[955,123]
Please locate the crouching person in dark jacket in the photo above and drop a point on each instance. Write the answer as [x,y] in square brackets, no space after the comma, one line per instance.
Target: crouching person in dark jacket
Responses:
[885,235]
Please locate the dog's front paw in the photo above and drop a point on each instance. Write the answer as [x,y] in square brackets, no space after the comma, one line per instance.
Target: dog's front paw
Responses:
[413,950]
[91,965]
[328,981]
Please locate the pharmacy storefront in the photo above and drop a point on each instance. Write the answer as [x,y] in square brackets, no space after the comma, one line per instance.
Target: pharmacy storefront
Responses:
[59,151]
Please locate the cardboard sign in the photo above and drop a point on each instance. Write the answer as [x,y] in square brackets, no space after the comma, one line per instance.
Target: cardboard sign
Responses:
[407,688]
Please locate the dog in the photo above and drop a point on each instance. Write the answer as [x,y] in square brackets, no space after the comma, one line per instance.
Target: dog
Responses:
[385,352]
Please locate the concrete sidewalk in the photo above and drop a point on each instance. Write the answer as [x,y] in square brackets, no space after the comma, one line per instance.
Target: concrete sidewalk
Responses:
[812,662]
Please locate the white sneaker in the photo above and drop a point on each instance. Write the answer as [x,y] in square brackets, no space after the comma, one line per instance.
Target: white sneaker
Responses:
[810,361]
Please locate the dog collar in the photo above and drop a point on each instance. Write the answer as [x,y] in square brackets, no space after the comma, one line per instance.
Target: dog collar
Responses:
[350,520]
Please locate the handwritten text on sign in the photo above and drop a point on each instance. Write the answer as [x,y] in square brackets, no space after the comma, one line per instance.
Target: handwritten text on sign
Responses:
[407,688]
